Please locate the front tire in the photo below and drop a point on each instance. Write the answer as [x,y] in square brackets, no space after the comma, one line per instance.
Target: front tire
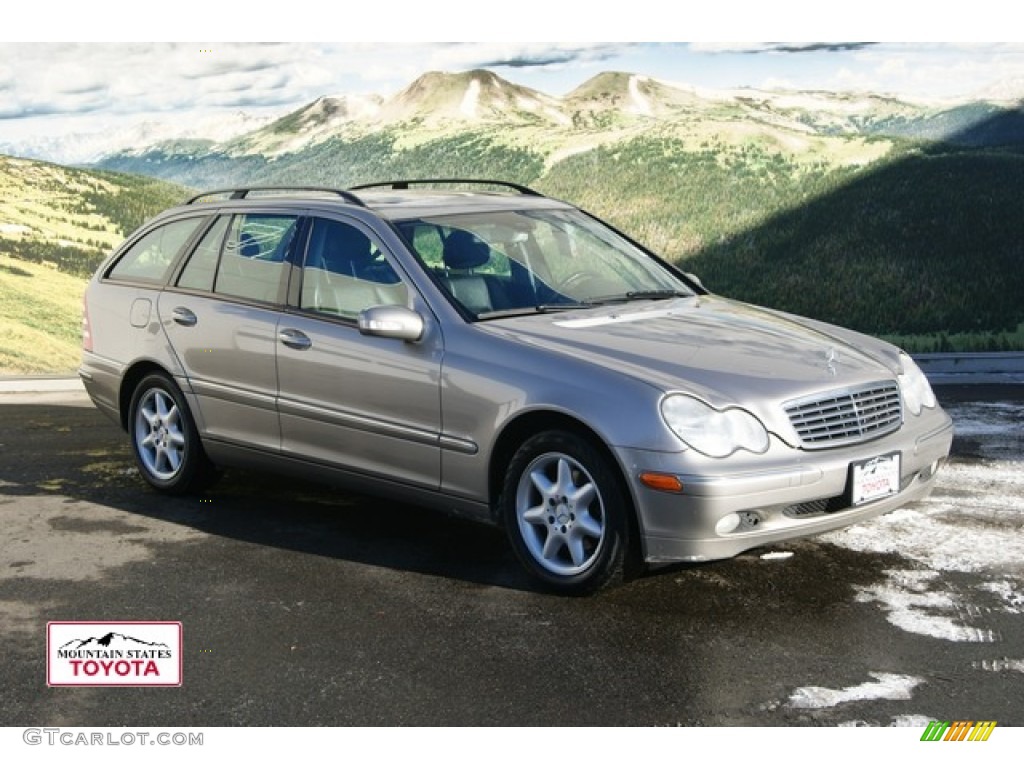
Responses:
[565,512]
[164,438]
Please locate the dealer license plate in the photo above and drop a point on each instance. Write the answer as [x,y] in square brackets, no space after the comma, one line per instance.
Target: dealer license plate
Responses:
[875,478]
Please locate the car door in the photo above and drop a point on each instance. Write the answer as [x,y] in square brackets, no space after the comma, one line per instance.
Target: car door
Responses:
[363,403]
[221,319]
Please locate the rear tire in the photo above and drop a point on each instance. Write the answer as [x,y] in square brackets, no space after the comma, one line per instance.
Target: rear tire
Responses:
[164,438]
[566,513]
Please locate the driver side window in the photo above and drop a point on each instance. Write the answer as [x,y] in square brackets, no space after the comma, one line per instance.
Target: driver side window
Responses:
[345,272]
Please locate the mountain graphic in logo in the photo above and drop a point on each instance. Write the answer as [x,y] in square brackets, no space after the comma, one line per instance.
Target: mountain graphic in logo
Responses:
[109,641]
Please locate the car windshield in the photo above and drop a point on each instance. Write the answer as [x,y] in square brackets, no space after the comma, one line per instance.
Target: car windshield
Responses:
[515,262]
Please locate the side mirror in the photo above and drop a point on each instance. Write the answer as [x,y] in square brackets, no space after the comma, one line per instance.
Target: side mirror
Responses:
[391,322]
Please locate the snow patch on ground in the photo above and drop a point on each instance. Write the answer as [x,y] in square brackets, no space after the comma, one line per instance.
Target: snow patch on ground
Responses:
[641,105]
[470,99]
[899,721]
[1010,594]
[973,523]
[911,721]
[1000,665]
[917,601]
[558,117]
[970,535]
[776,555]
[886,686]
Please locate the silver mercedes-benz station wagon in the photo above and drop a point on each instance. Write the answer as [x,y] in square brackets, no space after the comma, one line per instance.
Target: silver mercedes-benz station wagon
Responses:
[483,349]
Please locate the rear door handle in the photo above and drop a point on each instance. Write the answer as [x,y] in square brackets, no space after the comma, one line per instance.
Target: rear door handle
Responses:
[294,339]
[184,316]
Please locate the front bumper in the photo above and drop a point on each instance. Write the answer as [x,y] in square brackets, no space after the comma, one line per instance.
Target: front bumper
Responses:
[779,496]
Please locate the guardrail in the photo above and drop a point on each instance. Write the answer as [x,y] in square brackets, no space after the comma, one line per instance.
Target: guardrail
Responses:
[973,367]
[35,383]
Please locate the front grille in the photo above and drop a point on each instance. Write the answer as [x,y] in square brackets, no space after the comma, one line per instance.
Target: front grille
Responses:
[848,416]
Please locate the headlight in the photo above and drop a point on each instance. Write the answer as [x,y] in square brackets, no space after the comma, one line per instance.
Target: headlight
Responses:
[714,433]
[917,392]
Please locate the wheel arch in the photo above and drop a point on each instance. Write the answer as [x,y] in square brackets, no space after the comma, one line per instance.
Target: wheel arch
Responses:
[130,380]
[524,426]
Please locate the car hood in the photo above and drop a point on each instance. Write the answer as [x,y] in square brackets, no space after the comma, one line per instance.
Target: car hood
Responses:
[725,351]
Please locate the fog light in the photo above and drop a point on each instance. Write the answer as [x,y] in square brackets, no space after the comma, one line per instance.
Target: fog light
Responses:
[750,519]
[727,524]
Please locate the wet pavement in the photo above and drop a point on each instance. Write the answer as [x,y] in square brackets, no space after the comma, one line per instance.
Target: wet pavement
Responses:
[302,605]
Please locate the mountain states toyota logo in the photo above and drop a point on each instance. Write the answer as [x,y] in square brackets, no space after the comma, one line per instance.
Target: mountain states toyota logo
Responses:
[113,653]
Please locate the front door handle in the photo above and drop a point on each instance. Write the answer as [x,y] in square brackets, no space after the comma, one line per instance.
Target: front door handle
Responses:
[294,339]
[184,316]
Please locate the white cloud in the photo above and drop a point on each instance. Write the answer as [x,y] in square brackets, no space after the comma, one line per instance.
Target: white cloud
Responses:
[135,78]
[127,79]
[49,90]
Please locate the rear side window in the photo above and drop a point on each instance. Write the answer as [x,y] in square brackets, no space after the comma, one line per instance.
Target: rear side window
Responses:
[151,258]
[253,261]
[202,264]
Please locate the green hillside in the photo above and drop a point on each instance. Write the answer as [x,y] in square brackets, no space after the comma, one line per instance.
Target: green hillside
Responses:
[40,318]
[70,217]
[345,163]
[678,201]
[887,238]
[927,241]
[56,225]
[892,218]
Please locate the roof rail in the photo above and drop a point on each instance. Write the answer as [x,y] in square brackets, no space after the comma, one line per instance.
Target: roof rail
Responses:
[241,193]
[404,184]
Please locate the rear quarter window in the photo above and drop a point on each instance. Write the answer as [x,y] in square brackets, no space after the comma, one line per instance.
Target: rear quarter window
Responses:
[150,259]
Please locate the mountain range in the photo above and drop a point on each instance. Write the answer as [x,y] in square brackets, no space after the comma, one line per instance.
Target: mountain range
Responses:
[778,197]
[888,216]
[609,107]
[110,641]
[480,98]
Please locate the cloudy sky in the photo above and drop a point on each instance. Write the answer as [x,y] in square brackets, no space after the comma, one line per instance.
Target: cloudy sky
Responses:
[52,90]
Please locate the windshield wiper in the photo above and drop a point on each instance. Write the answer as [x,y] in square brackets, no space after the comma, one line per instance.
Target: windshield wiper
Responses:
[564,305]
[534,310]
[667,293]
[639,295]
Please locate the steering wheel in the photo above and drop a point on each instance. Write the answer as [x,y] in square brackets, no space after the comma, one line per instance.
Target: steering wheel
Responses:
[575,280]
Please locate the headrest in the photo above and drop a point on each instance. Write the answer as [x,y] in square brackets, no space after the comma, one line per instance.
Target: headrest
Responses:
[464,250]
[339,245]
[247,246]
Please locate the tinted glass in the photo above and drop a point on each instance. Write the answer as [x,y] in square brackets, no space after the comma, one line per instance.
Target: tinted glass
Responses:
[202,264]
[516,261]
[345,272]
[150,259]
[253,260]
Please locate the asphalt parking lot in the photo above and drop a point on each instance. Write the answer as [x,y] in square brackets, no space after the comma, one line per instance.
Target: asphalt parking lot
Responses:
[302,605]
